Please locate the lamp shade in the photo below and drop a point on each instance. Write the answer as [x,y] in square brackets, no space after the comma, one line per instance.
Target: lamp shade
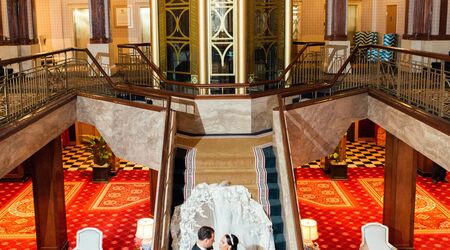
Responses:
[309,229]
[144,229]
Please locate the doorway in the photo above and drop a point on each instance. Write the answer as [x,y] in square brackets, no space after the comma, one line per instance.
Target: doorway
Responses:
[352,21]
[81,27]
[145,24]
[391,19]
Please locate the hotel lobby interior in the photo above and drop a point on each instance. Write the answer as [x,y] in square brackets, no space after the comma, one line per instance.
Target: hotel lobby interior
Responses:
[293,124]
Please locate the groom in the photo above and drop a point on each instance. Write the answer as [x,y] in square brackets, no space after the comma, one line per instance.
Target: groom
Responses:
[205,239]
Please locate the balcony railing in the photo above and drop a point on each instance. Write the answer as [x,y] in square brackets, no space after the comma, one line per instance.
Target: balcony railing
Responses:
[29,83]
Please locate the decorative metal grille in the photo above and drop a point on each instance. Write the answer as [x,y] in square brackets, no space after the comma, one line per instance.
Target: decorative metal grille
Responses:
[266,30]
[178,40]
[222,66]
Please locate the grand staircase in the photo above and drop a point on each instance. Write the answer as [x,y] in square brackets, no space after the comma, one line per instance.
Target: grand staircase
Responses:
[215,159]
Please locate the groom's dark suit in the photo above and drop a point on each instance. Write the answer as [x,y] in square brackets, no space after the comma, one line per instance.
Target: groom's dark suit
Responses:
[195,247]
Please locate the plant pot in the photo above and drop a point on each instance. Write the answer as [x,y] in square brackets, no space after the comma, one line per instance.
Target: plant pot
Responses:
[101,173]
[338,170]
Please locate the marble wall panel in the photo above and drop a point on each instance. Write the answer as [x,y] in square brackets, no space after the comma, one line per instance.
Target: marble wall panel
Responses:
[283,182]
[315,130]
[227,116]
[262,112]
[132,133]
[232,116]
[20,146]
[428,141]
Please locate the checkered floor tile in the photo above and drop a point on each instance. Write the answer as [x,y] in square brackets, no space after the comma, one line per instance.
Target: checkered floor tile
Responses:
[76,158]
[359,154]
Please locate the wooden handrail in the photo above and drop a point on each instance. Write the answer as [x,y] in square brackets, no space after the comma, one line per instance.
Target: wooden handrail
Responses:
[443,57]
[289,171]
[161,196]
[131,45]
[35,56]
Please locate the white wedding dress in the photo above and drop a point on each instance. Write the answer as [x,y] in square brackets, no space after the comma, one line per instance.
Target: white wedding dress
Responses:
[227,209]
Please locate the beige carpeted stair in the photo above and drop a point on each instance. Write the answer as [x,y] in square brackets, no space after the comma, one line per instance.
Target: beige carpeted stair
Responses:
[226,159]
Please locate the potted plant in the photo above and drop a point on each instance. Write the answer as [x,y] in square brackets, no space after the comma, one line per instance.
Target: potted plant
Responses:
[337,167]
[100,154]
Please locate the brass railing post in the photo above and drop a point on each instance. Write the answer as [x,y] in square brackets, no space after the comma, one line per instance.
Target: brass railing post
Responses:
[66,78]
[6,89]
[442,90]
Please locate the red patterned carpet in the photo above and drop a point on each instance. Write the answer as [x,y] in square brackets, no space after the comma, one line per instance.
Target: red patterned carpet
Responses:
[340,226]
[114,208]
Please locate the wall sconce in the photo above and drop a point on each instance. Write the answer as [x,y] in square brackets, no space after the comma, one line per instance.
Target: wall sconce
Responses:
[144,233]
[309,233]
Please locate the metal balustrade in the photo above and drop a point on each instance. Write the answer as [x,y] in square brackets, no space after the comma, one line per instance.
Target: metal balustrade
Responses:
[415,77]
[33,81]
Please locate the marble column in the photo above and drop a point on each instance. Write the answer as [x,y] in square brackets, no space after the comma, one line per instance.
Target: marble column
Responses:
[337,45]
[399,191]
[48,193]
[100,32]
[21,29]
[336,20]
[99,15]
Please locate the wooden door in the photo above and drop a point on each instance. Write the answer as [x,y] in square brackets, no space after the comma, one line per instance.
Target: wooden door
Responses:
[81,27]
[391,19]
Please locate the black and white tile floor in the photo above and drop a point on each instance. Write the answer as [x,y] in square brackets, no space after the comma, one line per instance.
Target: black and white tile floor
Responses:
[359,154]
[76,158]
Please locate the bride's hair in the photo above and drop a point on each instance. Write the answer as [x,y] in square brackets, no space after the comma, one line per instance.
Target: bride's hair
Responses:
[232,241]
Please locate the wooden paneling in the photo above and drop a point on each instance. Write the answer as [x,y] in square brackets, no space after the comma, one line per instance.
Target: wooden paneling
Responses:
[424,165]
[391,19]
[443,18]
[399,191]
[48,193]
[82,129]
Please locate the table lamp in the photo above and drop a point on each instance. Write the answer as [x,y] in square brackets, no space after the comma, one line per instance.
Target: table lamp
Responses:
[309,233]
[144,233]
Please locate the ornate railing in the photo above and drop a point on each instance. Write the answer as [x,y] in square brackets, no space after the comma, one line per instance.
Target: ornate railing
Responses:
[30,82]
[417,78]
[132,67]
[302,70]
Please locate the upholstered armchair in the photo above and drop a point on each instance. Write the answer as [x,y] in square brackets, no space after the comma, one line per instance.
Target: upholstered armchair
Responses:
[89,238]
[375,237]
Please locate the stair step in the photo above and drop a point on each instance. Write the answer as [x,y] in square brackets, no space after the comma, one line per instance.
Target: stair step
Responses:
[275,207]
[279,237]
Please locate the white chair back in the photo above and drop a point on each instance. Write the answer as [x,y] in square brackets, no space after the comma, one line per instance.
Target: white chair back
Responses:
[375,237]
[89,238]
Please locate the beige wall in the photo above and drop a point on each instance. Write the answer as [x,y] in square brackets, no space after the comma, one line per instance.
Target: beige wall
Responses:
[55,21]
[312,21]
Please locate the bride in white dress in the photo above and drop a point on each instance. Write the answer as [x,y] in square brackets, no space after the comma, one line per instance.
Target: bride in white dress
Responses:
[227,209]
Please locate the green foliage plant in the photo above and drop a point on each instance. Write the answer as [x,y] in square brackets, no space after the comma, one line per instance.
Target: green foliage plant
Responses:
[98,148]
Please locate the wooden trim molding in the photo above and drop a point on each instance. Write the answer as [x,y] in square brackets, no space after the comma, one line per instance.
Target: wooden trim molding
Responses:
[1,22]
[122,102]
[443,18]
[11,128]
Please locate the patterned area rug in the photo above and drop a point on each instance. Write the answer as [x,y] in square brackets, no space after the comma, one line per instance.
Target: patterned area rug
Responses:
[17,217]
[323,193]
[431,217]
[121,195]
